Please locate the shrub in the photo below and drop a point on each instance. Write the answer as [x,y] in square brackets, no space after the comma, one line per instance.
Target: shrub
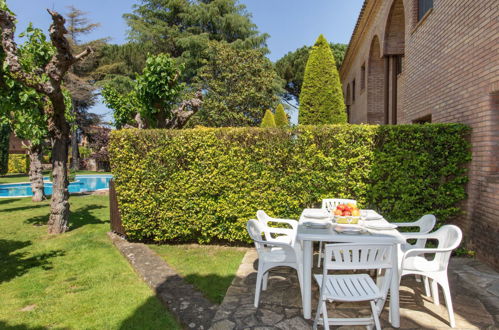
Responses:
[18,163]
[268,120]
[281,118]
[203,184]
[321,96]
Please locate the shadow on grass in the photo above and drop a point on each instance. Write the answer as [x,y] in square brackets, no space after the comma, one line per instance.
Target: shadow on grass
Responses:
[82,216]
[4,325]
[211,286]
[7,200]
[14,264]
[150,315]
[24,208]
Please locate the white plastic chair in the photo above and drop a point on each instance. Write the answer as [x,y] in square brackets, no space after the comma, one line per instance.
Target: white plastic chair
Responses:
[414,262]
[284,235]
[354,287]
[425,224]
[273,254]
[330,205]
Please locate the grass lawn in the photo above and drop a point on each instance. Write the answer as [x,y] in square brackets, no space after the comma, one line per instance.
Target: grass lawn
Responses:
[209,268]
[77,280]
[14,178]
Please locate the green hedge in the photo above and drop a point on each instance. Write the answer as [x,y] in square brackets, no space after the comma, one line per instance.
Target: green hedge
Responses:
[18,163]
[202,185]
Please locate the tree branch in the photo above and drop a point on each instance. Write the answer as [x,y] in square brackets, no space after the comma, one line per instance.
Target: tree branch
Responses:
[12,58]
[186,110]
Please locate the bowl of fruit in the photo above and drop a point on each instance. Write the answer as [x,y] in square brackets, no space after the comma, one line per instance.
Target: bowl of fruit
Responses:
[347,214]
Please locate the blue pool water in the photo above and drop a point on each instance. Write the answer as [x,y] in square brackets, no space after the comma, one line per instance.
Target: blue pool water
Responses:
[83,183]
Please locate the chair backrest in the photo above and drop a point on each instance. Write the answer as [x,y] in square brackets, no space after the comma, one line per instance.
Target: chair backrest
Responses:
[255,231]
[331,203]
[425,224]
[449,237]
[357,256]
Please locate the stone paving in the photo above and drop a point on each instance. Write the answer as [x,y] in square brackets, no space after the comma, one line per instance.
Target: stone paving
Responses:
[474,290]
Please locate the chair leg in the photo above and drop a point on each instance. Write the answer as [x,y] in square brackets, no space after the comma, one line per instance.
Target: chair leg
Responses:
[434,292]
[259,277]
[317,314]
[320,255]
[265,281]
[325,318]
[448,302]
[426,286]
[375,315]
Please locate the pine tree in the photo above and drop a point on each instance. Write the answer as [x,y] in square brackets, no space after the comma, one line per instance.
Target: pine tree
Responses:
[281,119]
[268,120]
[321,97]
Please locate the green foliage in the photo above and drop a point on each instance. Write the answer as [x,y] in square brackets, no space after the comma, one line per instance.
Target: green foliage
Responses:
[4,148]
[281,118]
[321,98]
[202,185]
[18,163]
[158,89]
[184,29]
[239,85]
[291,68]
[153,94]
[268,120]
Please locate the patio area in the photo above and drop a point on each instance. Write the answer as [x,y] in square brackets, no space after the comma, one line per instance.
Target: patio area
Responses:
[474,286]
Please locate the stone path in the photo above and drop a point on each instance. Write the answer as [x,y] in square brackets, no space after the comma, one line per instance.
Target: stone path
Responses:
[475,292]
[188,305]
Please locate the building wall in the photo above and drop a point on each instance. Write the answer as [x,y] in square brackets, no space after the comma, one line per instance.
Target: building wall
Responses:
[451,72]
[16,145]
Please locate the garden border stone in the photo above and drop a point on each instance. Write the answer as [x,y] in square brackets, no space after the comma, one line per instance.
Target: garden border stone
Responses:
[188,305]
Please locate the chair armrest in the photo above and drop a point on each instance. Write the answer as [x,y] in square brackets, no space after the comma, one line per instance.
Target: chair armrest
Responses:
[409,235]
[277,244]
[292,223]
[418,251]
[285,231]
[405,224]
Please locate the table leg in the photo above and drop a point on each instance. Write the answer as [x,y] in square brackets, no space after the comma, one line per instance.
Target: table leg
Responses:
[394,290]
[307,279]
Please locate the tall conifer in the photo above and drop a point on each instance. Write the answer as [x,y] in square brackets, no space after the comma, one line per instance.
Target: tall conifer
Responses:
[321,97]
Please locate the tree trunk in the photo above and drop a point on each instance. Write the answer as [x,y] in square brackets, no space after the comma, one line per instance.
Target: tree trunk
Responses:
[59,134]
[59,205]
[35,172]
[75,154]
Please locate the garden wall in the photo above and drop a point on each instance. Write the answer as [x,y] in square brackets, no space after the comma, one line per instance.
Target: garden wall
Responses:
[202,185]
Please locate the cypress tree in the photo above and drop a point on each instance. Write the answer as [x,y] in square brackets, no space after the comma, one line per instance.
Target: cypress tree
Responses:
[321,97]
[281,119]
[268,120]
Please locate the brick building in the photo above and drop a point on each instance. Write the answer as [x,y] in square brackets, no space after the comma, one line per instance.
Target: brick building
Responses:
[415,61]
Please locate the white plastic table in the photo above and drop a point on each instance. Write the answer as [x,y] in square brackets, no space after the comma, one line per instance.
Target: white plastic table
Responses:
[309,235]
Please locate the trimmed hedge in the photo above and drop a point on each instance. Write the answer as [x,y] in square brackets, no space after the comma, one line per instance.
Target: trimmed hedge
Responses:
[18,163]
[202,185]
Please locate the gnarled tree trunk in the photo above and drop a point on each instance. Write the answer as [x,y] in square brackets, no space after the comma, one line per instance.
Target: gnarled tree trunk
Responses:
[57,124]
[35,172]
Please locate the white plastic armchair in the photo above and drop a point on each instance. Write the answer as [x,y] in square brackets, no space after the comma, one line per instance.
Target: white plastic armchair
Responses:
[272,254]
[414,262]
[278,234]
[330,204]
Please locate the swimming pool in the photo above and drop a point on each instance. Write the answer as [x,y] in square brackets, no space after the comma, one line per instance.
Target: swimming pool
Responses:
[83,183]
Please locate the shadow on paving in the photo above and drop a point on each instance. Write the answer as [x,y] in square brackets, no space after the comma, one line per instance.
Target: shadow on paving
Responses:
[14,264]
[77,219]
[280,305]
[5,326]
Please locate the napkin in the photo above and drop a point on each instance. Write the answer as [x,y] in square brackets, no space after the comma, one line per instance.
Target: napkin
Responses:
[317,214]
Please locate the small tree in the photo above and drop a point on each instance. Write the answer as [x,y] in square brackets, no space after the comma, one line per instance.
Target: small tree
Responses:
[321,98]
[281,118]
[47,80]
[268,120]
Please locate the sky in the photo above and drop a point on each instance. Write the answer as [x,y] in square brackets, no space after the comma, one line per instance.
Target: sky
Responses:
[291,24]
